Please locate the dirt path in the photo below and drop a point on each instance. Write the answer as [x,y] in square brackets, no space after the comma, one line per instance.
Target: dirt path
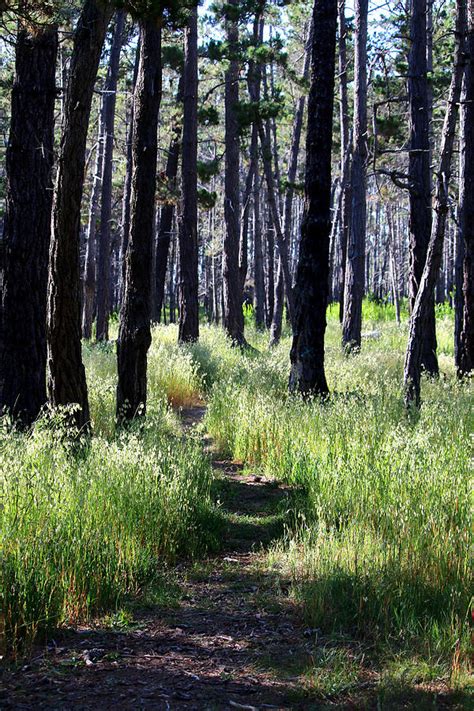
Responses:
[234,641]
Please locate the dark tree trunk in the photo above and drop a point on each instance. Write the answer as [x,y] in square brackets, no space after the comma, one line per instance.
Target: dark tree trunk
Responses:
[466,208]
[135,334]
[127,188]
[66,374]
[278,307]
[254,83]
[103,263]
[89,278]
[355,265]
[307,374]
[188,239]
[345,212]
[419,171]
[166,214]
[233,316]
[270,297]
[244,241]
[421,310]
[258,255]
[24,266]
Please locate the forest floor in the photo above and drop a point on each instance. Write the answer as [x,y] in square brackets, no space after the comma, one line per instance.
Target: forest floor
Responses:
[224,634]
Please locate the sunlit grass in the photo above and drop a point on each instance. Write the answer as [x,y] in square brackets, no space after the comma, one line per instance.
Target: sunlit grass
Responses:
[382,547]
[84,526]
[379,544]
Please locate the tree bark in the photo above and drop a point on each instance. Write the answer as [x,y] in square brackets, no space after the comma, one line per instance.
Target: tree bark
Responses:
[421,309]
[66,374]
[89,274]
[345,212]
[167,211]
[258,255]
[465,363]
[127,188]
[244,240]
[134,333]
[103,264]
[307,374]
[419,171]
[355,265]
[188,328]
[270,296]
[233,316]
[26,234]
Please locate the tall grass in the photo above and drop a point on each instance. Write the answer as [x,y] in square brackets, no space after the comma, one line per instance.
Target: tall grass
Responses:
[382,545]
[80,528]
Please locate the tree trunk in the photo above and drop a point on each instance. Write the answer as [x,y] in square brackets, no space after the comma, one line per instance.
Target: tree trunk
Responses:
[134,334]
[103,264]
[188,329]
[419,171]
[307,374]
[278,307]
[167,211]
[66,374]
[466,207]
[459,258]
[393,266]
[244,240]
[24,266]
[345,153]
[270,296]
[89,273]
[127,188]
[421,310]
[355,265]
[233,316]
[258,255]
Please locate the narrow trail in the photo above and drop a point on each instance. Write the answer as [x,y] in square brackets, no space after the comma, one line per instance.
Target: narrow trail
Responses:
[234,642]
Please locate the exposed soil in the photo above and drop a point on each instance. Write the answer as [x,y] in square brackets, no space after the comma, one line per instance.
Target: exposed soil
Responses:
[235,641]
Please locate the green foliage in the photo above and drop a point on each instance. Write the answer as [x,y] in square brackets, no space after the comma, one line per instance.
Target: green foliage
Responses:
[207,169]
[207,199]
[173,56]
[208,116]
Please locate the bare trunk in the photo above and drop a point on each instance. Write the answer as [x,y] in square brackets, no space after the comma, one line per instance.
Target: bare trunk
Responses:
[307,374]
[355,265]
[66,374]
[188,238]
[232,292]
[421,309]
[346,151]
[466,208]
[165,226]
[89,278]
[419,171]
[103,264]
[24,263]
[127,188]
[134,334]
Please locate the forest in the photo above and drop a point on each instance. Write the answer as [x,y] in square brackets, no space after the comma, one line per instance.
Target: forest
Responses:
[236,354]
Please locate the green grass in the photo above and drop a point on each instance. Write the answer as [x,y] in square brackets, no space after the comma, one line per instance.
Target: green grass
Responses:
[83,528]
[381,548]
[376,544]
